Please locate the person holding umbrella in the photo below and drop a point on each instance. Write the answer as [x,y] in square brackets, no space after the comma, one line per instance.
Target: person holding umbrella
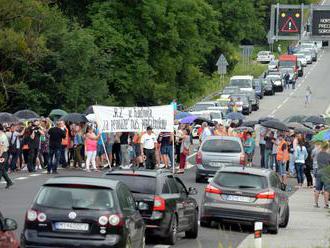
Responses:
[249,147]
[282,157]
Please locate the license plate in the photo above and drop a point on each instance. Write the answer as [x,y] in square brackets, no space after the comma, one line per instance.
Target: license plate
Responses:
[237,198]
[217,164]
[71,226]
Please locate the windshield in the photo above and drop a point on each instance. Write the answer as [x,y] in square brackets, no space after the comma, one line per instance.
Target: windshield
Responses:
[137,183]
[240,180]
[306,52]
[202,107]
[230,91]
[243,83]
[221,145]
[300,55]
[287,63]
[273,77]
[263,53]
[80,197]
[215,115]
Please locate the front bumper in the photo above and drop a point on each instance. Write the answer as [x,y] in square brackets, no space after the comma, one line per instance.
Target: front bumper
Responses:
[31,239]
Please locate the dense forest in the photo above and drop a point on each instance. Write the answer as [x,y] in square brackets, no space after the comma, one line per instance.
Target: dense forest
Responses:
[73,53]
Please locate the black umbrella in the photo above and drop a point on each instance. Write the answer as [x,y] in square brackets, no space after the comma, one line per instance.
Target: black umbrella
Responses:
[235,116]
[8,118]
[295,118]
[304,130]
[249,123]
[294,125]
[26,114]
[89,110]
[74,117]
[200,120]
[267,119]
[275,125]
[315,119]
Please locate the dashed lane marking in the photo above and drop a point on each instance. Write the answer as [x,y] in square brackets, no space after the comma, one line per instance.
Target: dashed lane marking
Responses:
[21,178]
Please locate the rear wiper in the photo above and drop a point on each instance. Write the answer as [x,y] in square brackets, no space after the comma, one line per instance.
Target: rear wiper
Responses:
[246,187]
[80,208]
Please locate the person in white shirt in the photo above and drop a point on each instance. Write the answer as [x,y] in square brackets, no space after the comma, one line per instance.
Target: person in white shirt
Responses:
[148,147]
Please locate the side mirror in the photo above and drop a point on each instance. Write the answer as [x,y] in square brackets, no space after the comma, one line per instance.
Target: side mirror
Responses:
[9,225]
[210,179]
[192,191]
[283,186]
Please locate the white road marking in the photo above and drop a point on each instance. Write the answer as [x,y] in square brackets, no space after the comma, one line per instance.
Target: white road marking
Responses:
[279,106]
[20,178]
[161,246]
[34,175]
[292,92]
[327,112]
[286,99]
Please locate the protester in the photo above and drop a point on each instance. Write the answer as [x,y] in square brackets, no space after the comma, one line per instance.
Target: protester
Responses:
[206,131]
[65,144]
[323,162]
[282,157]
[249,148]
[14,146]
[137,149]
[124,141]
[56,135]
[166,148]
[91,148]
[292,147]
[220,130]
[269,141]
[116,152]
[77,146]
[148,146]
[3,160]
[300,155]
[44,144]
[184,151]
[308,165]
[100,152]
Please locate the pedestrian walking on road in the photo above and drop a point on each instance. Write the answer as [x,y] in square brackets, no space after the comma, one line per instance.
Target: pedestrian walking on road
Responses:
[308,96]
[287,80]
[4,144]
[323,162]
[249,148]
[148,148]
[91,148]
[56,134]
[269,139]
[184,150]
[308,165]
[282,157]
[300,154]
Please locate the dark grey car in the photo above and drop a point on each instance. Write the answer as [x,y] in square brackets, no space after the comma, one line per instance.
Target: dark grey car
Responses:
[245,195]
[269,86]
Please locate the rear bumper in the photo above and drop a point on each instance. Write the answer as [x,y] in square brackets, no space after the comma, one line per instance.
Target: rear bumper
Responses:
[158,227]
[31,239]
[237,216]
[205,173]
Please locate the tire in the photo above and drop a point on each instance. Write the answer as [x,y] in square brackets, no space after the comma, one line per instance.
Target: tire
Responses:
[193,232]
[286,218]
[281,89]
[274,229]
[172,235]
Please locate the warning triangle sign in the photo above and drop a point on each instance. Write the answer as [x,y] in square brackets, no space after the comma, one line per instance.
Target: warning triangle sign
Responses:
[290,26]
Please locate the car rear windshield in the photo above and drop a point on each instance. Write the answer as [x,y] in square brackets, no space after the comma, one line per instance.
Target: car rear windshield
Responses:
[243,83]
[240,180]
[221,145]
[287,63]
[76,197]
[137,183]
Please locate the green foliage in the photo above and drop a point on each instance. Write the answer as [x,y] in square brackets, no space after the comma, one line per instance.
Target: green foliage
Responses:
[71,54]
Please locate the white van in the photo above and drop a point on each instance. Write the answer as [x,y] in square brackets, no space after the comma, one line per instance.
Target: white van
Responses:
[245,83]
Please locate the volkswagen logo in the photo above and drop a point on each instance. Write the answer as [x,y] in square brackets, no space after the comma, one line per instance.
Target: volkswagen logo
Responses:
[72,215]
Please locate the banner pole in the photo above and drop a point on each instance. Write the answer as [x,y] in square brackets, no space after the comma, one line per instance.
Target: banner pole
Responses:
[105,151]
[173,152]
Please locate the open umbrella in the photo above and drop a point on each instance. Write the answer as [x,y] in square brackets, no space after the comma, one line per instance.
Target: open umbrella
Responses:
[315,119]
[294,125]
[8,118]
[295,118]
[91,117]
[235,116]
[89,110]
[275,125]
[322,136]
[180,115]
[249,123]
[267,119]
[200,120]
[188,120]
[57,113]
[75,118]
[26,114]
[243,128]
[304,130]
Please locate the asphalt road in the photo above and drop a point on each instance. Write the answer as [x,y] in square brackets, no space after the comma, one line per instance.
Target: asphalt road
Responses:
[15,201]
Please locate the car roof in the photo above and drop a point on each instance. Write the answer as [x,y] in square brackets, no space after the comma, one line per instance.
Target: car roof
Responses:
[90,181]
[249,170]
[242,77]
[139,172]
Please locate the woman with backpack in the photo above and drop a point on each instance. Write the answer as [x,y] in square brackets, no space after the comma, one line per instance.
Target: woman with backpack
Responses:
[300,154]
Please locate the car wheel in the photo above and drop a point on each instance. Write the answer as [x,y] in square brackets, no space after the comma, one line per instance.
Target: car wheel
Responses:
[281,89]
[173,231]
[274,229]
[286,218]
[193,232]
[128,243]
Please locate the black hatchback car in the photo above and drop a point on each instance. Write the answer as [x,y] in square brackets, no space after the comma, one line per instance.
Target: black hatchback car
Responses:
[83,212]
[163,201]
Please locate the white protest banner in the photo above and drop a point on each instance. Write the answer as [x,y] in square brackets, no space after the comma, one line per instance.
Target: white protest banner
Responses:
[134,119]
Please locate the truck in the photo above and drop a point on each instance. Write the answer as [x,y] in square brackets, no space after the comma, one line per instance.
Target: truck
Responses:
[288,61]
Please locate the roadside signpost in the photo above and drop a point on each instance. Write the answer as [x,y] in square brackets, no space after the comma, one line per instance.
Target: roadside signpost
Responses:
[246,54]
[222,64]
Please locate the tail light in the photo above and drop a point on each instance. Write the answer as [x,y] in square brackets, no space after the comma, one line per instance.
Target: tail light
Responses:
[103,220]
[266,195]
[242,160]
[115,220]
[159,204]
[212,190]
[199,158]
[33,215]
